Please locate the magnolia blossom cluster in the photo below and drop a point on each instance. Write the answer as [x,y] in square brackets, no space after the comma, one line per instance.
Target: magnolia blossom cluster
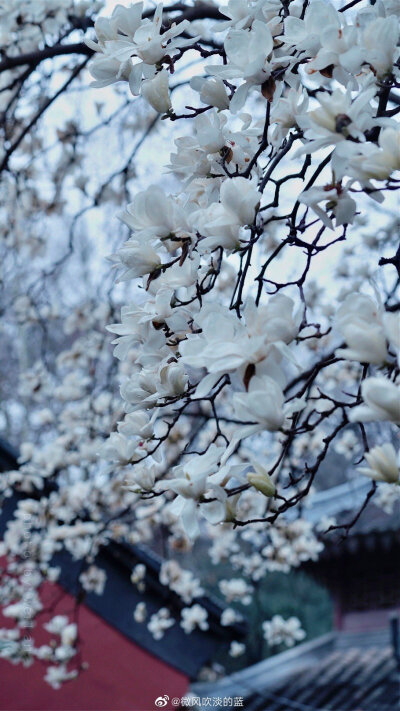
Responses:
[215,339]
[231,352]
[57,653]
[191,618]
[280,631]
[260,323]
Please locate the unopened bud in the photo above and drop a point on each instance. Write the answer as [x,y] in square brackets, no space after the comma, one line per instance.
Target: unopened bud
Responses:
[262,482]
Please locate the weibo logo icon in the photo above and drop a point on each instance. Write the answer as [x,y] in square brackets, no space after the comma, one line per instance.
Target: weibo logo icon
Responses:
[161,701]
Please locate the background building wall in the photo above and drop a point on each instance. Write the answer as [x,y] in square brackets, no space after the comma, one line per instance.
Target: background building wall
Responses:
[120,677]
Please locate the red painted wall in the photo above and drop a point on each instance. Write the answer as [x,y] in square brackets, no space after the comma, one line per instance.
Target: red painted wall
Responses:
[121,676]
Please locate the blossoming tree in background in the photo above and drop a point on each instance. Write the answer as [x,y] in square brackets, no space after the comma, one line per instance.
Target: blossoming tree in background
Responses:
[255,311]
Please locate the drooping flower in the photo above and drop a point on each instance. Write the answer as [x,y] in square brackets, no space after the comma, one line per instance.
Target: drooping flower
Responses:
[336,199]
[306,34]
[381,402]
[383,465]
[227,343]
[263,403]
[359,321]
[212,91]
[156,92]
[221,223]
[138,258]
[190,483]
[249,53]
[371,162]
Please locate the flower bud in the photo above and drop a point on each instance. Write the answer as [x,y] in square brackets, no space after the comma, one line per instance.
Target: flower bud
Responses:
[156,92]
[262,482]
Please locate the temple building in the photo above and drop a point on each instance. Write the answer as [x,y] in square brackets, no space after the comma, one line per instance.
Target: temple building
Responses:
[356,667]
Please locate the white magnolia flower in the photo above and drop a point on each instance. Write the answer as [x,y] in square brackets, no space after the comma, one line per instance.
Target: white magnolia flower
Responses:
[183,582]
[381,402]
[148,43]
[192,617]
[285,111]
[360,323]
[140,612]
[221,223]
[306,34]
[227,343]
[143,40]
[142,477]
[152,214]
[93,579]
[57,624]
[135,329]
[173,380]
[281,631]
[263,404]
[338,118]
[347,444]
[241,13]
[391,324]
[383,465]
[336,199]
[380,44]
[236,649]
[138,424]
[78,530]
[212,91]
[222,507]
[138,258]
[138,576]
[370,162]
[69,634]
[55,676]
[249,54]
[160,622]
[278,320]
[156,92]
[44,652]
[21,610]
[120,449]
[340,55]
[236,590]
[209,131]
[387,496]
[229,617]
[141,391]
[191,483]
[107,70]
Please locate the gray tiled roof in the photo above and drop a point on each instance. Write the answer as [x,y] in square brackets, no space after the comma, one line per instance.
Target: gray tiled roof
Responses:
[337,672]
[345,680]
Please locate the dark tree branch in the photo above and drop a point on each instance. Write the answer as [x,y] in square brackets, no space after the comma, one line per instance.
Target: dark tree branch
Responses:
[39,113]
[198,12]
[35,58]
